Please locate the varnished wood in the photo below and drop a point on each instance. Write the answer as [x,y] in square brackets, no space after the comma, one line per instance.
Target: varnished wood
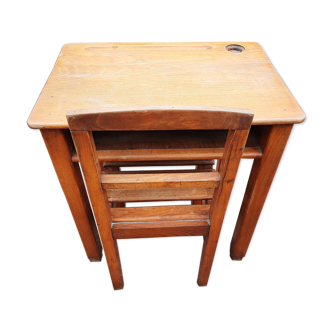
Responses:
[161,139]
[167,180]
[160,213]
[227,168]
[175,154]
[168,145]
[273,142]
[60,146]
[200,168]
[152,195]
[160,229]
[121,223]
[159,117]
[188,74]
[158,163]
[87,155]
[107,171]
[99,75]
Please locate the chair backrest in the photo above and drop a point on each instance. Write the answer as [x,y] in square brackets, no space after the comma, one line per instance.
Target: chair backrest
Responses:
[160,118]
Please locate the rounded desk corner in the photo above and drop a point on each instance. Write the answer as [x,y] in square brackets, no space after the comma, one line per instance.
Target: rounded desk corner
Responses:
[299,119]
[31,125]
[304,120]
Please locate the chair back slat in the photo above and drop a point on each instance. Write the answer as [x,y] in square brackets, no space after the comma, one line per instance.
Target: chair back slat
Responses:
[160,118]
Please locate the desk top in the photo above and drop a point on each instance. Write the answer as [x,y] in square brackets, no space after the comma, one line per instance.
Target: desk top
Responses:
[99,75]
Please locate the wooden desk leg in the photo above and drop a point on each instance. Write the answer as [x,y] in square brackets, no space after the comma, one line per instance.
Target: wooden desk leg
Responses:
[60,146]
[272,142]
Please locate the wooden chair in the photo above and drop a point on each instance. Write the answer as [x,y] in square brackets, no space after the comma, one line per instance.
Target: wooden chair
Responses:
[140,222]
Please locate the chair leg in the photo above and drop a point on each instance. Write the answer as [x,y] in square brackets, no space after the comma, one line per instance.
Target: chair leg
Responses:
[233,151]
[208,252]
[113,260]
[86,151]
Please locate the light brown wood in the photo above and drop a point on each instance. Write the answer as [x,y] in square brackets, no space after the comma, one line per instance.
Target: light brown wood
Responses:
[167,180]
[90,76]
[228,166]
[273,142]
[152,195]
[160,229]
[87,154]
[160,213]
[99,75]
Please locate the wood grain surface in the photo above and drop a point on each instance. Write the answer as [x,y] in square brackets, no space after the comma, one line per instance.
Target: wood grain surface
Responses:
[102,75]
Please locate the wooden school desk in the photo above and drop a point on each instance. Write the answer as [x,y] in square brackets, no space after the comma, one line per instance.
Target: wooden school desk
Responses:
[100,75]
